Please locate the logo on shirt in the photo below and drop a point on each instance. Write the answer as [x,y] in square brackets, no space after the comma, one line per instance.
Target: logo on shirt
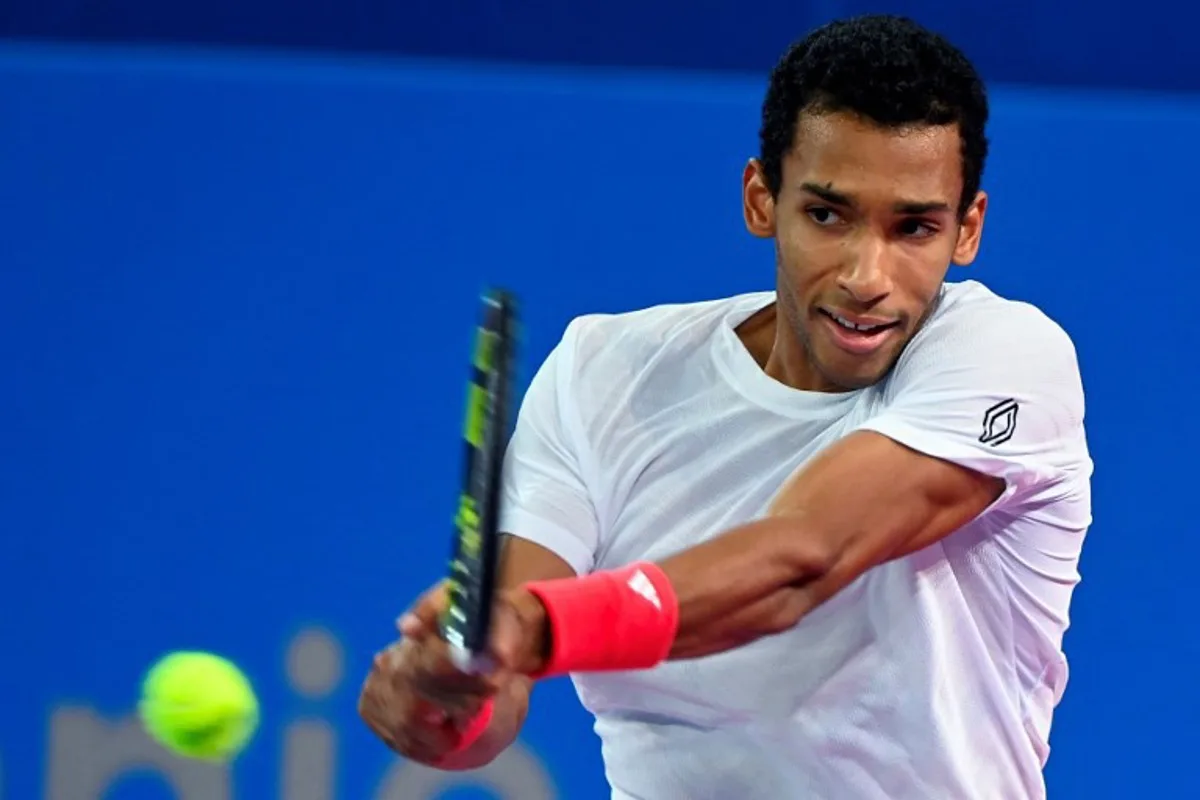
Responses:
[999,422]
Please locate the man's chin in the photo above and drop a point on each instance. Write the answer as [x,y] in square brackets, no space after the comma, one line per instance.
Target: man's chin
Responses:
[858,373]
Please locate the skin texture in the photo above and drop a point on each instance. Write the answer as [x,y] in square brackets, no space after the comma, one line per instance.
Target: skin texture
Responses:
[865,227]
[847,242]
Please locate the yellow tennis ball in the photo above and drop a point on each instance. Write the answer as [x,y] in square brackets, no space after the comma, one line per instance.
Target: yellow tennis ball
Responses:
[199,705]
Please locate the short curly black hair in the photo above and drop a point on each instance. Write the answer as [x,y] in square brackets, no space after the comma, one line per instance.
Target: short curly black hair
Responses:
[886,69]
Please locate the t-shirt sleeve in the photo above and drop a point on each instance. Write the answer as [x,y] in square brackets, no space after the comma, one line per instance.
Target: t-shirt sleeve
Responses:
[546,499]
[996,390]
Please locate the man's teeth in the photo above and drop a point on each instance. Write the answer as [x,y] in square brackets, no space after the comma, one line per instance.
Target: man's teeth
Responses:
[845,323]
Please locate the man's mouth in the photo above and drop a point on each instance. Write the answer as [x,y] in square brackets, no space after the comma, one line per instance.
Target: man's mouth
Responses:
[858,334]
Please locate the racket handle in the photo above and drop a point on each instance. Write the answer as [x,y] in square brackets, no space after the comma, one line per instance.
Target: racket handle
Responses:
[470,663]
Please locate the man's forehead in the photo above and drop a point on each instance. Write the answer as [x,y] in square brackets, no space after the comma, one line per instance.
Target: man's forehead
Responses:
[826,123]
[847,151]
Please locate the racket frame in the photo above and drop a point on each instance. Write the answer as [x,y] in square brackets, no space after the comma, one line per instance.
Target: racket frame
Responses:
[466,625]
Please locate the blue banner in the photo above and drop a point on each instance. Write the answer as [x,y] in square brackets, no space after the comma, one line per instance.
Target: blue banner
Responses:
[235,306]
[1066,42]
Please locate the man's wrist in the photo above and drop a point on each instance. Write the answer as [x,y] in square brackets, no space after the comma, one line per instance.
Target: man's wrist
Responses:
[535,644]
[611,620]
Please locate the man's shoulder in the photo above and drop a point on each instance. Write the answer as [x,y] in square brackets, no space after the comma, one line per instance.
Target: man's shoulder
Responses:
[979,345]
[637,335]
[974,318]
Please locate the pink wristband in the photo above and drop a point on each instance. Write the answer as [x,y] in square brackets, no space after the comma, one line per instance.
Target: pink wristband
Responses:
[470,734]
[620,619]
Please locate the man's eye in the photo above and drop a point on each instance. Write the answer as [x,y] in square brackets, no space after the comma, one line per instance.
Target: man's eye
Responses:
[917,228]
[823,216]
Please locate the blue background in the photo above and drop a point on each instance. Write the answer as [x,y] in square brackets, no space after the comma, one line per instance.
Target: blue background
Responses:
[1064,42]
[236,290]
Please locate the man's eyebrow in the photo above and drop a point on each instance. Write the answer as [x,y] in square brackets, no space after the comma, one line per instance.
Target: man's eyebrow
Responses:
[828,194]
[921,206]
[834,197]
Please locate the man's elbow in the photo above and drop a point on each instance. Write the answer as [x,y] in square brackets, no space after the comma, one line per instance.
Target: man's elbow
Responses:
[811,563]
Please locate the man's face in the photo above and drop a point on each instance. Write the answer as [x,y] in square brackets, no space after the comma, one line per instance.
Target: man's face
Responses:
[865,228]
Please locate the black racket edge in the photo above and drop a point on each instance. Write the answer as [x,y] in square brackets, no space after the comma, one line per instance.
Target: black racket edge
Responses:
[475,553]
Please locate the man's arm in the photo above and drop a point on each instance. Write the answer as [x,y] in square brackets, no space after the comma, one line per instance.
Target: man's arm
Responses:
[912,474]
[864,501]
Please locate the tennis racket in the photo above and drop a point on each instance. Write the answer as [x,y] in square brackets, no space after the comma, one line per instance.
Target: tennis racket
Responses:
[466,622]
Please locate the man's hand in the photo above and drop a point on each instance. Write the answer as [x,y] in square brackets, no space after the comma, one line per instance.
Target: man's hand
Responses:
[418,702]
[392,707]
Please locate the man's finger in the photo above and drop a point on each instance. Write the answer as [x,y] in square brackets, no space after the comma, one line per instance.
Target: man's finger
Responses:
[422,618]
[433,668]
[398,716]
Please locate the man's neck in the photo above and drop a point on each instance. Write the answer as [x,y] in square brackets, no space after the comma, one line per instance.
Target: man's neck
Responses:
[774,346]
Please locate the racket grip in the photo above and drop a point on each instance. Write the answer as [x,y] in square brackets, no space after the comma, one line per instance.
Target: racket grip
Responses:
[469,662]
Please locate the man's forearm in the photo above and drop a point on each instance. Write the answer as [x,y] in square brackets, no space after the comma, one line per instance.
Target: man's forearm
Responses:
[754,581]
[862,502]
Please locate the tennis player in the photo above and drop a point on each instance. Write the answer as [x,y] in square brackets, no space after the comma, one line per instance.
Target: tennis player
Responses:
[818,542]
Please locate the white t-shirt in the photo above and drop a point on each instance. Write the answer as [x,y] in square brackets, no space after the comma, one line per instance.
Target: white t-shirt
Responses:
[932,676]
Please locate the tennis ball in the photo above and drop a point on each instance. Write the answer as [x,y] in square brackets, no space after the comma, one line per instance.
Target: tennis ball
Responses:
[198,705]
